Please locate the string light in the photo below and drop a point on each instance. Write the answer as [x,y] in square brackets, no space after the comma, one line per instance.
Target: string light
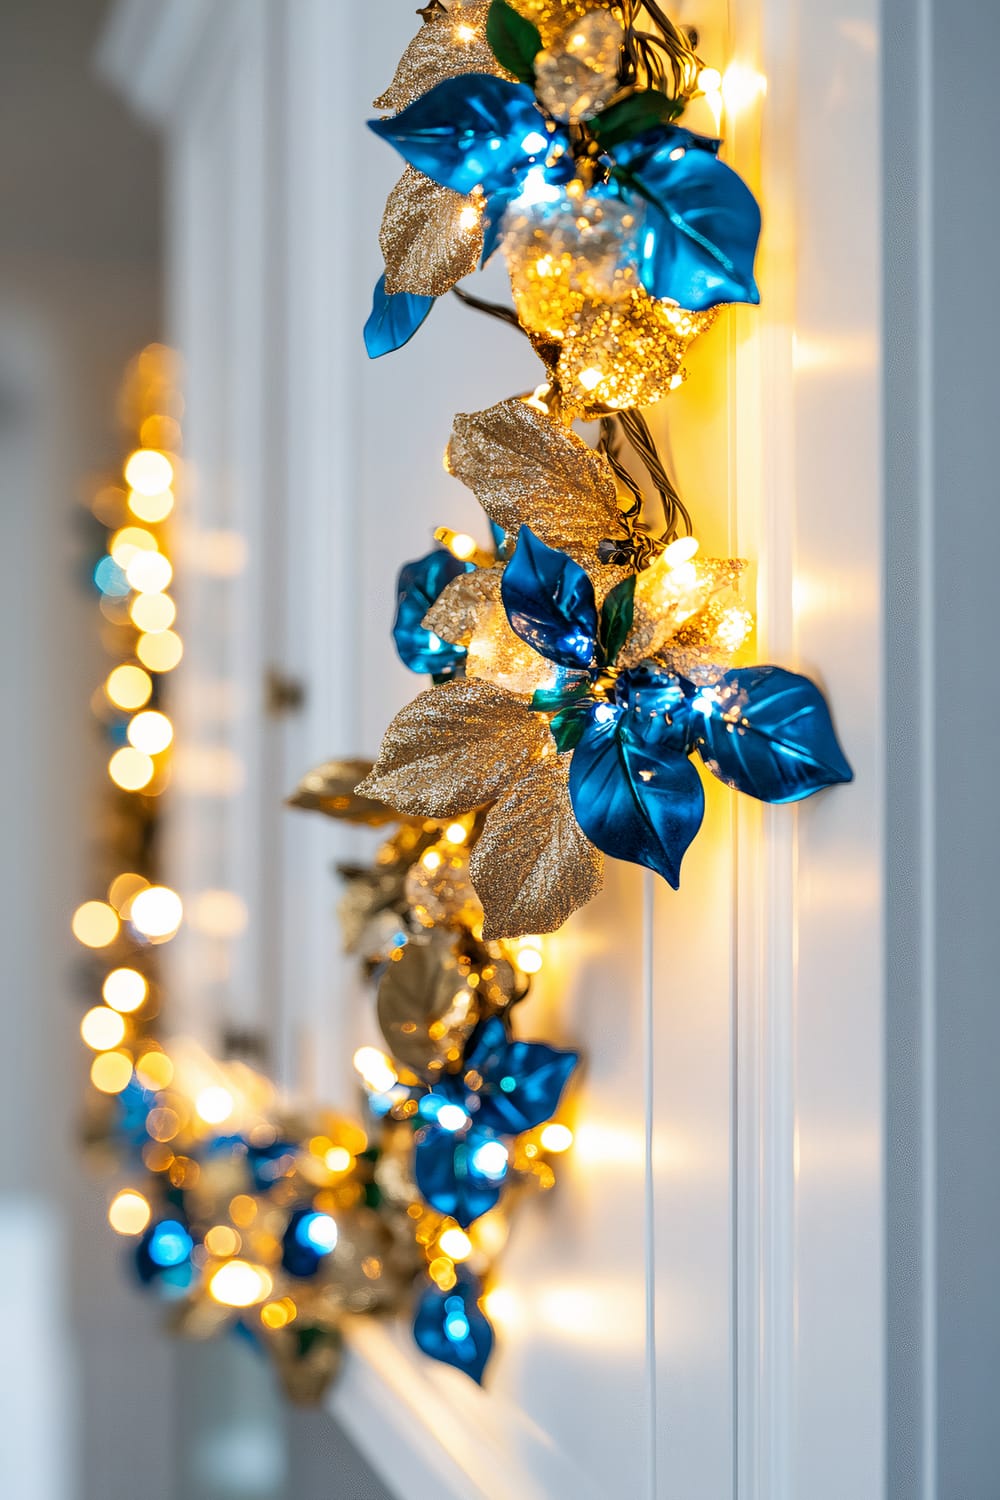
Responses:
[157,912]
[153,613]
[239,1284]
[150,732]
[129,687]
[125,990]
[129,1212]
[102,1029]
[131,769]
[161,652]
[149,472]
[214,1105]
[95,924]
[149,572]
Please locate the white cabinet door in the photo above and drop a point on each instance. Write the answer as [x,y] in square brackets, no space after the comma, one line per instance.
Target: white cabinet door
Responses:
[696,1314]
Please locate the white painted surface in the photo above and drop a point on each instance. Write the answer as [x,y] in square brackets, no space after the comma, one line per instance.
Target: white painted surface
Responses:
[699,1310]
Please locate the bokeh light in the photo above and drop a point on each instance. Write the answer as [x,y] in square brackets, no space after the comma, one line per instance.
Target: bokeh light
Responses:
[131,769]
[95,924]
[111,1072]
[214,1104]
[128,541]
[149,472]
[125,990]
[149,572]
[129,687]
[102,1029]
[239,1284]
[153,613]
[128,1212]
[153,508]
[150,732]
[160,652]
[157,912]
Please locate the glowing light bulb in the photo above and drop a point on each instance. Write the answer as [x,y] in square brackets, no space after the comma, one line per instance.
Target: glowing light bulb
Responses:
[222,1241]
[455,1243]
[153,613]
[375,1069]
[239,1284]
[679,552]
[590,378]
[160,652]
[129,687]
[128,1212]
[452,1117]
[490,1160]
[338,1159]
[462,546]
[278,1314]
[150,732]
[131,769]
[157,912]
[709,80]
[456,833]
[149,572]
[124,990]
[102,1029]
[149,472]
[155,1070]
[529,955]
[214,1104]
[556,1138]
[95,924]
[468,217]
[465,33]
[431,860]
[111,1072]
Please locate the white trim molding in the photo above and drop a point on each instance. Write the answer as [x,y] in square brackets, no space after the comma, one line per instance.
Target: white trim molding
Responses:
[148,49]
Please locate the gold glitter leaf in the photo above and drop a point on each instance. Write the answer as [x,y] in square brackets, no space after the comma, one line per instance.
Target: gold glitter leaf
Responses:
[430,236]
[329,789]
[456,748]
[533,865]
[445,47]
[456,612]
[527,469]
[425,1006]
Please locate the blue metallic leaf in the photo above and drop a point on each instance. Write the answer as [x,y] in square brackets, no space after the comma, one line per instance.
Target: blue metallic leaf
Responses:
[639,802]
[419,584]
[472,131]
[522,1081]
[451,1327]
[550,602]
[394,319]
[459,1172]
[767,732]
[657,710]
[701,226]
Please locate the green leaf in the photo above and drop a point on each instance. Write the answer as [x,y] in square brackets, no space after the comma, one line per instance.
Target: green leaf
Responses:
[567,727]
[616,619]
[633,116]
[551,700]
[515,41]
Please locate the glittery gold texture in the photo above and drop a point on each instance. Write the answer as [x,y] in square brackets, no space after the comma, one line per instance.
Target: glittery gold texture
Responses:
[444,47]
[625,355]
[577,75]
[440,893]
[425,1006]
[532,864]
[552,17]
[671,600]
[329,789]
[430,236]
[456,748]
[526,468]
[455,614]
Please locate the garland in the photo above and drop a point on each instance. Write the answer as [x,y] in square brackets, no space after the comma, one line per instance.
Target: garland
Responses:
[249,1212]
[580,669]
